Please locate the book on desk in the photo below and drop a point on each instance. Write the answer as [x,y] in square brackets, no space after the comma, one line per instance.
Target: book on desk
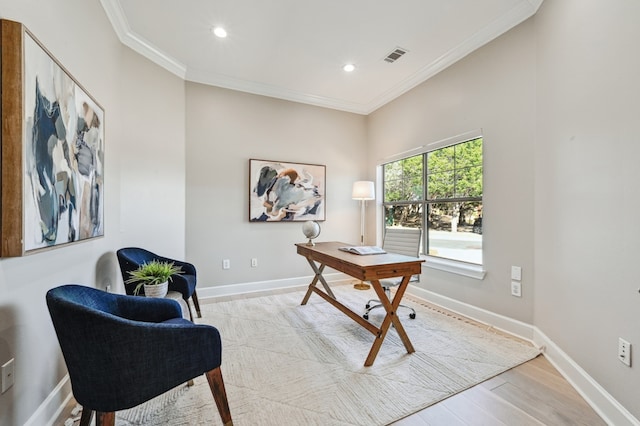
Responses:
[362,250]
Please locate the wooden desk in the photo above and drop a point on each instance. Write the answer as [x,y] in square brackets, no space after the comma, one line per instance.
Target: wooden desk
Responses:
[371,268]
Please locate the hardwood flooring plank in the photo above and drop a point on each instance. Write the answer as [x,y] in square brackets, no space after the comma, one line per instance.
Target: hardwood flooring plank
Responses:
[546,406]
[493,382]
[537,373]
[470,412]
[500,408]
[412,420]
[557,392]
[543,363]
[439,415]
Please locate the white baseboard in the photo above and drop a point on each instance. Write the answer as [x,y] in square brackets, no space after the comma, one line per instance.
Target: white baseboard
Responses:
[52,406]
[596,396]
[509,325]
[600,400]
[259,288]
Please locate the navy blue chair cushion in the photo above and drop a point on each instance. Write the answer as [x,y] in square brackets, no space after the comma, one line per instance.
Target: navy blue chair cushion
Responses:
[122,351]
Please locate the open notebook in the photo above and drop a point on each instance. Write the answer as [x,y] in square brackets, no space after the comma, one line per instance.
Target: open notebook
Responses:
[363,250]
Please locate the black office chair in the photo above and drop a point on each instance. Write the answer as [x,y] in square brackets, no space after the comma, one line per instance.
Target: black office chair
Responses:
[404,241]
[130,258]
[121,350]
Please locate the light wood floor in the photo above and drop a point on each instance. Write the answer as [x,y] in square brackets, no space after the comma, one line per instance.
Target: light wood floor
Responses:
[533,393]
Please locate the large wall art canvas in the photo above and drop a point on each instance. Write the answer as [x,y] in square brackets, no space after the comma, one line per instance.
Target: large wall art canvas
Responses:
[58,154]
[285,192]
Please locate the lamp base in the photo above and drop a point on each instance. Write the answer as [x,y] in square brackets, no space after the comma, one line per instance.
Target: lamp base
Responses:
[361,285]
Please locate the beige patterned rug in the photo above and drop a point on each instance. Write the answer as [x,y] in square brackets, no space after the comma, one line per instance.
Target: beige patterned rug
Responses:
[287,364]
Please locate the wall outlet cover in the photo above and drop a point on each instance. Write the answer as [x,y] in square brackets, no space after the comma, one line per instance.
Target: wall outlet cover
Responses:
[7,375]
[624,351]
[516,288]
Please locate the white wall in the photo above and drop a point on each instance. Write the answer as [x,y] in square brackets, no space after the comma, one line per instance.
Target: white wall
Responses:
[225,129]
[152,158]
[493,89]
[144,109]
[587,199]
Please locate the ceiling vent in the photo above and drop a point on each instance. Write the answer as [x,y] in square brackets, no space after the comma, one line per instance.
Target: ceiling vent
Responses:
[395,55]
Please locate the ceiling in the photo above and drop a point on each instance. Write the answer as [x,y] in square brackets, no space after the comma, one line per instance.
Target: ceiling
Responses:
[295,49]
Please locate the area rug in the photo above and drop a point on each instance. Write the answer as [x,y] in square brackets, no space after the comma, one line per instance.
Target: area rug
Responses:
[287,364]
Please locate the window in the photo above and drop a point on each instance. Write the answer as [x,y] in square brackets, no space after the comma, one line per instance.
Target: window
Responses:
[439,191]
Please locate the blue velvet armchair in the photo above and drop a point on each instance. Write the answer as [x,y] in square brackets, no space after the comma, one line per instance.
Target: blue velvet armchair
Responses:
[121,350]
[130,258]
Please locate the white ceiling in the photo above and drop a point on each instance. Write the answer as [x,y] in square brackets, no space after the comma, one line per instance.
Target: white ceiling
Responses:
[295,49]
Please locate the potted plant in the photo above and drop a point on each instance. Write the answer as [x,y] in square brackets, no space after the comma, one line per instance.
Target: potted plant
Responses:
[154,276]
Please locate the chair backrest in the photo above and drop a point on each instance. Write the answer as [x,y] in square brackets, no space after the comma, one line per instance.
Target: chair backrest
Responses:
[130,258]
[404,241]
[83,320]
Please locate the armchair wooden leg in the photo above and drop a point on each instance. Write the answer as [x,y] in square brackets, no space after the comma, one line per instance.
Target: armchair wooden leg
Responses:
[219,395]
[105,419]
[194,297]
[85,418]
[189,309]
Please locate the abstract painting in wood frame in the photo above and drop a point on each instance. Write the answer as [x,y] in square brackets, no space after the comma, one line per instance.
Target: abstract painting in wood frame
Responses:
[286,192]
[52,188]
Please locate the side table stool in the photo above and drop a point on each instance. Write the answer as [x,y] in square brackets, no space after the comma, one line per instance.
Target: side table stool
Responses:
[183,304]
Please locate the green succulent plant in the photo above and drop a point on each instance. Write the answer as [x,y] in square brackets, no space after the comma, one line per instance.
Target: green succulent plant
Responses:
[152,273]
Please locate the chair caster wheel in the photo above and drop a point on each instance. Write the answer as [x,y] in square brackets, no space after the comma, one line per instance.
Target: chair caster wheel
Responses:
[365,316]
[412,316]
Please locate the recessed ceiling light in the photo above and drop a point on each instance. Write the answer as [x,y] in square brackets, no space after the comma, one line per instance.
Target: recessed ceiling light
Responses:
[220,32]
[349,67]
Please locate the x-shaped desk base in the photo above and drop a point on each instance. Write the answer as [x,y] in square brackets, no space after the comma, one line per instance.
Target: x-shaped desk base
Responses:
[365,268]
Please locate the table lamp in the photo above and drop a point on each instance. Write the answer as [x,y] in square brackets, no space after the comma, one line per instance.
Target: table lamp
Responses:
[363,190]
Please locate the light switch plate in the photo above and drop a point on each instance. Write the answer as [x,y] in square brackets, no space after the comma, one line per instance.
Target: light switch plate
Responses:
[516,273]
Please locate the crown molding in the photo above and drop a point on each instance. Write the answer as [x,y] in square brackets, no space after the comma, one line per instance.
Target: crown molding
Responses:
[227,82]
[119,22]
[513,17]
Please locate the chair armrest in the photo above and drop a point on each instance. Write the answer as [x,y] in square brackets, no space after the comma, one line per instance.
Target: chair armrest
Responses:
[172,354]
[187,268]
[184,284]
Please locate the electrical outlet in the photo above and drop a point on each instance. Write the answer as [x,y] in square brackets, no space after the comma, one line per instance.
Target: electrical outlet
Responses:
[624,351]
[254,262]
[516,288]
[7,375]
[226,264]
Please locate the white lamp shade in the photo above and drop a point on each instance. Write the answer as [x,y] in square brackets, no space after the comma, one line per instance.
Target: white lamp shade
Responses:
[363,190]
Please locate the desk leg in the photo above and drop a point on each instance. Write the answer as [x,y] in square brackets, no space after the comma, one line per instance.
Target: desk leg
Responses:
[318,276]
[391,317]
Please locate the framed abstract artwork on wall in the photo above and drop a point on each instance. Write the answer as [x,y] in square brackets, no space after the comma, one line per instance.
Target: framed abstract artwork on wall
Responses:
[286,192]
[52,188]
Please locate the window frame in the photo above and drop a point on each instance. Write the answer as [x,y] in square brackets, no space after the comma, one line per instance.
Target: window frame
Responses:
[460,267]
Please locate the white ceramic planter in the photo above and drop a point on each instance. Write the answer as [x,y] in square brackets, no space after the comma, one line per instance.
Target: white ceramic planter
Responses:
[159,290]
